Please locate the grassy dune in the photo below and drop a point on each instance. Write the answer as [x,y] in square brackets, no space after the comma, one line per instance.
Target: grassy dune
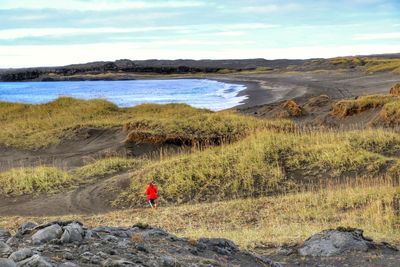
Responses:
[23,181]
[44,179]
[389,105]
[35,126]
[369,64]
[350,107]
[267,163]
[277,219]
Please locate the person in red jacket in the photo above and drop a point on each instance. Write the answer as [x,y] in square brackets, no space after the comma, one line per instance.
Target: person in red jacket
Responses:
[152,195]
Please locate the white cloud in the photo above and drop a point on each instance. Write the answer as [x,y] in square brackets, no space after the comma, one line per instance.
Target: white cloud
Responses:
[97,4]
[248,26]
[273,8]
[229,29]
[378,36]
[25,56]
[42,32]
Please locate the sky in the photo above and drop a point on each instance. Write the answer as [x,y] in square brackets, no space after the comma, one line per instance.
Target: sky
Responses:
[60,32]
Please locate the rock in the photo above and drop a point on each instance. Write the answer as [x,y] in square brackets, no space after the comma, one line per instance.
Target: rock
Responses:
[7,263]
[47,234]
[266,261]
[4,235]
[13,241]
[68,256]
[72,233]
[117,263]
[336,242]
[142,248]
[284,251]
[26,228]
[220,245]
[5,250]
[21,254]
[168,261]
[68,264]
[34,261]
[64,244]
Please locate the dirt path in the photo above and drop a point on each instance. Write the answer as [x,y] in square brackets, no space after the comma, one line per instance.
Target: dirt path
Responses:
[87,199]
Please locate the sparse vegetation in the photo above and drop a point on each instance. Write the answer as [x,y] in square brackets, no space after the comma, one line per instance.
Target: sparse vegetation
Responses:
[35,126]
[370,64]
[267,220]
[266,163]
[21,181]
[106,166]
[350,107]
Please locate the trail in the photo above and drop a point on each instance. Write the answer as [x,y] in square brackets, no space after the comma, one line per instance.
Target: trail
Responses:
[87,199]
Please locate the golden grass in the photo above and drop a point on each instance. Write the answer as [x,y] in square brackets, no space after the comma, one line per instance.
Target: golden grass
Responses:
[265,163]
[276,219]
[23,181]
[369,64]
[390,114]
[106,166]
[350,107]
[44,179]
[35,126]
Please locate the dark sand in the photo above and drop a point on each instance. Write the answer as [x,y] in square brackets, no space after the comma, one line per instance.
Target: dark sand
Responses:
[270,88]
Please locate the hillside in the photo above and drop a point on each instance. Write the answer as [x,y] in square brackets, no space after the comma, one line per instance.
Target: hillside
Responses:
[131,69]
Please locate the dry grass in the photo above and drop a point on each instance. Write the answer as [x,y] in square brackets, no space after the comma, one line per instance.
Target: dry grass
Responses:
[350,107]
[106,166]
[23,181]
[369,64]
[35,126]
[277,219]
[266,163]
[44,179]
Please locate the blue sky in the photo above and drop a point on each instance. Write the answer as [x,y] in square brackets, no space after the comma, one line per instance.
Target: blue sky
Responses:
[48,33]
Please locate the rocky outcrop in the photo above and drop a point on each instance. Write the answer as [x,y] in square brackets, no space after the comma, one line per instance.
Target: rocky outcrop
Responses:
[70,244]
[139,66]
[338,242]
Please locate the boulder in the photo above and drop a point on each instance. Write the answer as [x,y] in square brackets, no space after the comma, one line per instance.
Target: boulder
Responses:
[336,242]
[4,235]
[7,263]
[5,250]
[47,234]
[21,254]
[72,233]
[34,261]
[26,228]
[117,263]
[220,245]
[68,264]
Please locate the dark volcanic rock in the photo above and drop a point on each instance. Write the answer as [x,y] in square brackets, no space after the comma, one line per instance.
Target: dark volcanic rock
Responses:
[70,244]
[337,242]
[4,235]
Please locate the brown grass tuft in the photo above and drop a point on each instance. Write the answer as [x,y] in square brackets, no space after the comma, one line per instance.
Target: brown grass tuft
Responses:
[395,90]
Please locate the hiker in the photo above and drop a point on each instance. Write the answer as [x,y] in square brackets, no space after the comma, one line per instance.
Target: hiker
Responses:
[151,193]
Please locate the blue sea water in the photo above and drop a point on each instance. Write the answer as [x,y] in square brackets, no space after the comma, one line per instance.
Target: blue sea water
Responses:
[199,93]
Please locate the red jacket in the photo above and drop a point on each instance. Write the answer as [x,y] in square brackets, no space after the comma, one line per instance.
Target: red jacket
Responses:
[151,192]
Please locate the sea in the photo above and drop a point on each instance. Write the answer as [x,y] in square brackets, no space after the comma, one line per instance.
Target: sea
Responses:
[199,93]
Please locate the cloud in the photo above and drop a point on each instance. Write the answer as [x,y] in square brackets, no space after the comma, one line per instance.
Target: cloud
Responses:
[229,29]
[25,56]
[97,5]
[12,34]
[378,36]
[272,8]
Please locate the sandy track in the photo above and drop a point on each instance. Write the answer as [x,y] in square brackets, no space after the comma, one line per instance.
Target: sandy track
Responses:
[87,199]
